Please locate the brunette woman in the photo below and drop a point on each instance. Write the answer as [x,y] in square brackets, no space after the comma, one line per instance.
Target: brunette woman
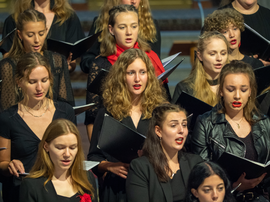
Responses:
[161,174]
[22,126]
[120,35]
[202,82]
[148,29]
[58,173]
[230,23]
[130,93]
[30,37]
[235,126]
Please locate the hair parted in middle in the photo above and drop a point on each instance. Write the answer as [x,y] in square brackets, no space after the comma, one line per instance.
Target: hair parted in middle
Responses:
[44,166]
[30,15]
[197,77]
[147,29]
[152,148]
[108,44]
[240,67]
[116,97]
[25,65]
[220,19]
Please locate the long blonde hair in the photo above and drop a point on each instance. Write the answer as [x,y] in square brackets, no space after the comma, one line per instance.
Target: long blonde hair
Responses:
[44,166]
[108,45]
[30,15]
[197,77]
[61,8]
[147,28]
[116,96]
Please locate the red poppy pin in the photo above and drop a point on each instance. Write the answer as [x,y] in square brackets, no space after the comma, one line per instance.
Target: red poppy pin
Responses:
[85,198]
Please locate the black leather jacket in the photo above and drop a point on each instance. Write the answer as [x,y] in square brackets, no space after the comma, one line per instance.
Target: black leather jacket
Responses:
[213,135]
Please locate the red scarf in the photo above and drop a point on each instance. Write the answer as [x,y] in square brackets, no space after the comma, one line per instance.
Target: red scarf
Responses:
[152,55]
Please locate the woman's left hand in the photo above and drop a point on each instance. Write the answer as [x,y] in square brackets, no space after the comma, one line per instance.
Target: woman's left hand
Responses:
[265,63]
[248,184]
[71,64]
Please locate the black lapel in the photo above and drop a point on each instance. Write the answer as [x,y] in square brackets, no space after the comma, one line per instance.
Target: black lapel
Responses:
[167,190]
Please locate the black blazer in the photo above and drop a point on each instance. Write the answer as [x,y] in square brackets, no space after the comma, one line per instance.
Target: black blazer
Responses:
[33,190]
[142,182]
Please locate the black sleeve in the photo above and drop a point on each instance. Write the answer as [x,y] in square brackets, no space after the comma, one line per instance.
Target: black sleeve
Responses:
[156,46]
[93,52]
[74,31]
[28,191]
[177,92]
[9,25]
[70,113]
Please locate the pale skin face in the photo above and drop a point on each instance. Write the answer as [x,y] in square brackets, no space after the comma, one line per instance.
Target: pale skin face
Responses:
[37,85]
[62,151]
[135,3]
[233,36]
[236,91]
[33,36]
[174,132]
[214,57]
[125,29]
[136,78]
[211,190]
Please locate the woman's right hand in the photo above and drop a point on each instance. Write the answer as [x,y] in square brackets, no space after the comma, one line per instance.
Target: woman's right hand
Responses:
[119,168]
[14,166]
[248,184]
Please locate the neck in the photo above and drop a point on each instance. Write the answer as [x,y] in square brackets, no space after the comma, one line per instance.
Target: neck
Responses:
[34,105]
[42,6]
[235,55]
[212,76]
[235,115]
[245,8]
[136,101]
[60,175]
[172,156]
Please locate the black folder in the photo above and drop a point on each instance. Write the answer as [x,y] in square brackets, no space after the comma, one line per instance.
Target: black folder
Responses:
[168,60]
[95,86]
[7,36]
[235,166]
[193,106]
[262,43]
[263,102]
[80,109]
[77,49]
[168,72]
[262,78]
[119,141]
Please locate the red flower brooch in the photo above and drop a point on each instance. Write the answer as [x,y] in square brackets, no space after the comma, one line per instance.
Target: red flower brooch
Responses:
[85,198]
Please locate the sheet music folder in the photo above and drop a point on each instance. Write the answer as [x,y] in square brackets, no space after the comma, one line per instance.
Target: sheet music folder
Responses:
[119,141]
[235,166]
[80,109]
[262,78]
[77,49]
[168,60]
[168,72]
[7,36]
[193,106]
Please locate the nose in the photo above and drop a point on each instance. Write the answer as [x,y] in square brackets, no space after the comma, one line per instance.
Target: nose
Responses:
[137,77]
[128,31]
[215,195]
[218,58]
[67,152]
[39,86]
[231,33]
[36,38]
[237,95]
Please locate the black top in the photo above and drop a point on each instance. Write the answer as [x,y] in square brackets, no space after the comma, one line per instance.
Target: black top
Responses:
[258,21]
[70,31]
[62,89]
[96,66]
[114,186]
[251,153]
[94,51]
[176,182]
[255,63]
[179,88]
[33,190]
[24,142]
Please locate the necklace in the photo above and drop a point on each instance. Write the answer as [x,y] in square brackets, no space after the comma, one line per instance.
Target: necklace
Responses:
[37,116]
[238,124]
[212,82]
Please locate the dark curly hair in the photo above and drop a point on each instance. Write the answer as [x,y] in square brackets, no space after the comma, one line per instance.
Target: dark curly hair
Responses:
[220,19]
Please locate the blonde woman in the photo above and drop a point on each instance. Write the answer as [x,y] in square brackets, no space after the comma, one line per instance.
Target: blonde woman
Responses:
[58,173]
[202,83]
[148,28]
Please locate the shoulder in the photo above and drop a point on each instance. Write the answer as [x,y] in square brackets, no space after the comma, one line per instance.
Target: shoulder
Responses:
[8,113]
[192,158]
[102,61]
[6,63]
[184,86]
[264,10]
[35,183]
[10,20]
[63,107]
[140,163]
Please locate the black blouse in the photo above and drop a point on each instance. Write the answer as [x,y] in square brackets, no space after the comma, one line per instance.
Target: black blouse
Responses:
[176,182]
[62,89]
[94,51]
[70,31]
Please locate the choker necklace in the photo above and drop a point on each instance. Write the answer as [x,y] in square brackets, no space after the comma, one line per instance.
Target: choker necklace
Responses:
[37,116]
[212,82]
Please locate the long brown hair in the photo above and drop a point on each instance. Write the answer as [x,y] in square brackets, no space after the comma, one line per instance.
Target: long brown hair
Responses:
[26,64]
[239,67]
[116,97]
[197,77]
[44,167]
[61,8]
[152,148]
[30,15]
[147,28]
[108,44]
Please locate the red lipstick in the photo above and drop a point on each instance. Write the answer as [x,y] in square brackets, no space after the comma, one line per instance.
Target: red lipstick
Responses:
[237,104]
[137,86]
[233,42]
[179,140]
